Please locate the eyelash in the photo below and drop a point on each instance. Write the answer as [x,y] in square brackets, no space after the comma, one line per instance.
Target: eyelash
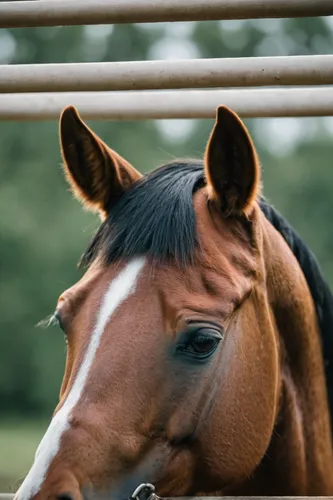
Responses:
[52,320]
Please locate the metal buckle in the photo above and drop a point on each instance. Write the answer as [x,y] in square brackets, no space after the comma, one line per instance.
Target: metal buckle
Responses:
[143,492]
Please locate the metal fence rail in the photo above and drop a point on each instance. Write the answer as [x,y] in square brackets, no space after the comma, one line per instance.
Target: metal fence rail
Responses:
[312,101]
[195,73]
[66,12]
[135,82]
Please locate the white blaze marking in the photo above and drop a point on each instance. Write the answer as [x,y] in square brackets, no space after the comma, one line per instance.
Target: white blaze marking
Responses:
[119,289]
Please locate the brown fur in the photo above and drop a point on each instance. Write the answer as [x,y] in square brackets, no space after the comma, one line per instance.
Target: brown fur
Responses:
[253,420]
[97,175]
[232,166]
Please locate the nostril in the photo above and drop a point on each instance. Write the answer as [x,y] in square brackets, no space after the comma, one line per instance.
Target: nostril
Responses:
[65,496]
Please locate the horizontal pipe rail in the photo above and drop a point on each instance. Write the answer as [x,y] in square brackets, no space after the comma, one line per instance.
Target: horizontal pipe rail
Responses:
[195,73]
[66,12]
[311,101]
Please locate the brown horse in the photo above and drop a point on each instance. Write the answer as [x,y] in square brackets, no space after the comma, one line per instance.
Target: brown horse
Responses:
[194,350]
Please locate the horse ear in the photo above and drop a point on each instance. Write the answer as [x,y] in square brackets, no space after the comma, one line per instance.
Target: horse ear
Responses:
[231,165]
[97,175]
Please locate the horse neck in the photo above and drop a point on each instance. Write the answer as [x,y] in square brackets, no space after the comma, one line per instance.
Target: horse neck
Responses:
[300,458]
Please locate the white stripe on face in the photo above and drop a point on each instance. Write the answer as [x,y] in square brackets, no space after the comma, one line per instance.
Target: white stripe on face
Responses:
[119,289]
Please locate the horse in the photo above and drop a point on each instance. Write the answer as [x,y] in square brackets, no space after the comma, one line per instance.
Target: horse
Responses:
[198,338]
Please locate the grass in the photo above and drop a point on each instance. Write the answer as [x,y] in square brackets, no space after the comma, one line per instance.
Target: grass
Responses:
[18,443]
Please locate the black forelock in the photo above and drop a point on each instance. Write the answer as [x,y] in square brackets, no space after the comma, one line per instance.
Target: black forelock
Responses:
[155,217]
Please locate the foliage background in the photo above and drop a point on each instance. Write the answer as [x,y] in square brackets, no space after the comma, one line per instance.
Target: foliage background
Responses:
[43,230]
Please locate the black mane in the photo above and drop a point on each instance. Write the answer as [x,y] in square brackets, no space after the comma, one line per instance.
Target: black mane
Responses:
[320,291]
[156,217]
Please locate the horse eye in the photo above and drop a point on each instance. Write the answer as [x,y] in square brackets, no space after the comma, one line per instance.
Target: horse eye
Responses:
[201,343]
